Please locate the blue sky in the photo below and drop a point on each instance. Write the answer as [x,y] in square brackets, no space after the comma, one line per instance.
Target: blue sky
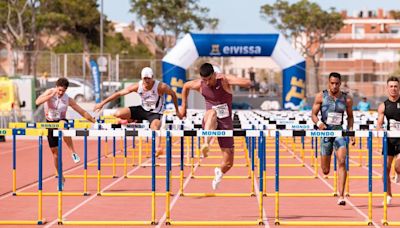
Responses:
[242,16]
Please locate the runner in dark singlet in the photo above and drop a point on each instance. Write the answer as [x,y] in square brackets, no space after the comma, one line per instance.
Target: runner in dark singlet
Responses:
[391,110]
[217,91]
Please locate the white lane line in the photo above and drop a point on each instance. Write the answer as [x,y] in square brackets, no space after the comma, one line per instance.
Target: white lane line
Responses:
[176,197]
[187,180]
[46,179]
[91,197]
[329,185]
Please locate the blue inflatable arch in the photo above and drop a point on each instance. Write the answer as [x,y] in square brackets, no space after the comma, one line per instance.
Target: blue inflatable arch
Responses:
[193,46]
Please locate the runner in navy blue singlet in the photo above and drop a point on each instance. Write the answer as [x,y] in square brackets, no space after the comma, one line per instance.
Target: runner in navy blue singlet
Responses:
[333,104]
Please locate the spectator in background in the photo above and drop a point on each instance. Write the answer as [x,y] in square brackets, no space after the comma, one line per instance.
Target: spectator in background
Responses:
[363,105]
[263,86]
[346,87]
[43,79]
[304,105]
[252,77]
[273,89]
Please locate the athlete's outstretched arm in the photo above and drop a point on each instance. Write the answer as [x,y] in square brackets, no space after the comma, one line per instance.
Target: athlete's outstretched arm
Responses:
[165,89]
[242,82]
[123,92]
[190,85]
[80,110]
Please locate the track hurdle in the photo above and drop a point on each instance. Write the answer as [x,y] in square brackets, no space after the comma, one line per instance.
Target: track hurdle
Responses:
[202,133]
[228,133]
[99,134]
[31,132]
[385,221]
[278,221]
[20,128]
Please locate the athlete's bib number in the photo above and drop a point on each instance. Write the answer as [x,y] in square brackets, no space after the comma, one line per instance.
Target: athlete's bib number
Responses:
[334,118]
[222,110]
[149,105]
[394,125]
[53,114]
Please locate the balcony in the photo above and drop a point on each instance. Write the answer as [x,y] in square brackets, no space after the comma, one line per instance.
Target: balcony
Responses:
[366,36]
[358,66]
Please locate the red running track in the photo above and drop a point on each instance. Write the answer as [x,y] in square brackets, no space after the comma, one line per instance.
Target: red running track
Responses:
[95,207]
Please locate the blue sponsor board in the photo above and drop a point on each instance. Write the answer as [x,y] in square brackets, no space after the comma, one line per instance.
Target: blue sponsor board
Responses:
[175,77]
[235,44]
[96,80]
[294,85]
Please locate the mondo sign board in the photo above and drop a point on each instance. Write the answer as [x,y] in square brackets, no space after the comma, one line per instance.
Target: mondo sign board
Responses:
[193,46]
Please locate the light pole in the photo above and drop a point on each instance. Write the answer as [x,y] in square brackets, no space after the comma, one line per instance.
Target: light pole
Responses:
[101,43]
[101,28]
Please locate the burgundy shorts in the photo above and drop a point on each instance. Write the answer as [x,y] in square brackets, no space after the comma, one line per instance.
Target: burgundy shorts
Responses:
[224,124]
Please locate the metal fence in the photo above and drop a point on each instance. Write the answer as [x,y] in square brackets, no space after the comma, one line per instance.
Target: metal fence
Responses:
[357,79]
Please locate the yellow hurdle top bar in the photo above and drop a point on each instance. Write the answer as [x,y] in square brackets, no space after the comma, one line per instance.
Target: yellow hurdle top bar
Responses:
[45,125]
[21,131]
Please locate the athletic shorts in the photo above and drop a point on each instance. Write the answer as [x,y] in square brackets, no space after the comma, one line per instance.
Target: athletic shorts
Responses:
[53,140]
[330,143]
[224,124]
[139,114]
[393,147]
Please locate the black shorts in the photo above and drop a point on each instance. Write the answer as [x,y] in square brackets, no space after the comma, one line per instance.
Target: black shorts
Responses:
[139,114]
[393,147]
[253,84]
[53,140]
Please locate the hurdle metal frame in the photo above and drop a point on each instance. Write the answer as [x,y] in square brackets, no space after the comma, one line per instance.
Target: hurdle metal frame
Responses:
[278,221]
[20,128]
[98,133]
[262,166]
[29,132]
[169,221]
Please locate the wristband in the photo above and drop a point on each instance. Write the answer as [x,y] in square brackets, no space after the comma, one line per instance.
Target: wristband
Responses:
[319,123]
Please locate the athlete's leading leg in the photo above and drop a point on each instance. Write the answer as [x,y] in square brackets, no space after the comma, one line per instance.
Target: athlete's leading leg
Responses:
[210,123]
[155,125]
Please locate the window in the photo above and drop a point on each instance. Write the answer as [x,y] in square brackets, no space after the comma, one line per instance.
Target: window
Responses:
[363,77]
[359,32]
[371,77]
[50,84]
[343,55]
[395,29]
[358,77]
[71,84]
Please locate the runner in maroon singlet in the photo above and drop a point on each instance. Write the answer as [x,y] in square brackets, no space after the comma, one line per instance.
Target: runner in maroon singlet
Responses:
[216,89]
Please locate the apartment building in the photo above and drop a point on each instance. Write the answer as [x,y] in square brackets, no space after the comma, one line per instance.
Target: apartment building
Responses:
[366,51]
